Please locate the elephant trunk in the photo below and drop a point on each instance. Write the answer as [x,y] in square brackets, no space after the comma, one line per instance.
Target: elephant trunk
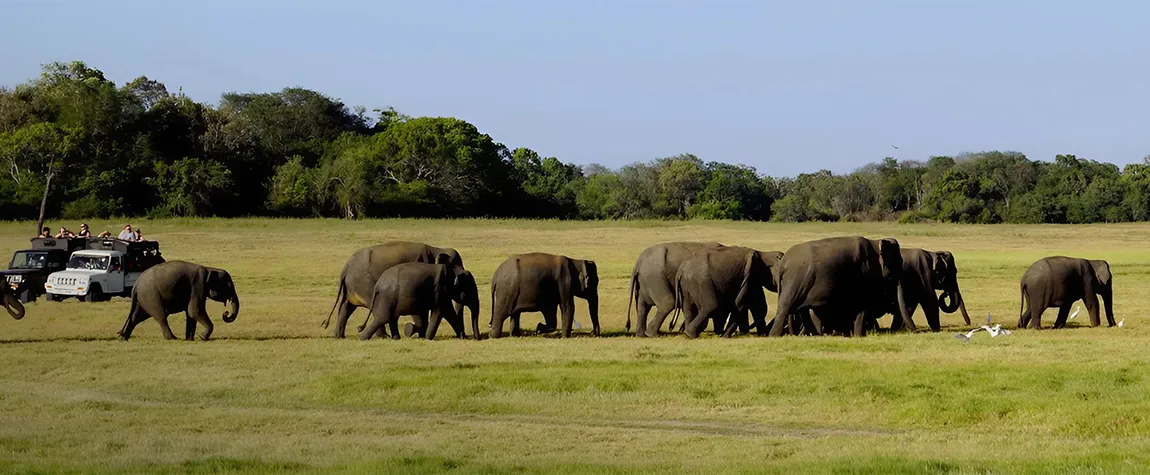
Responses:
[1107,292]
[951,301]
[593,309]
[16,309]
[234,302]
[473,308]
[902,309]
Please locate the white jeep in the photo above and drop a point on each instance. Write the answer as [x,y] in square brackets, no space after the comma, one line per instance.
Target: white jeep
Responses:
[102,271]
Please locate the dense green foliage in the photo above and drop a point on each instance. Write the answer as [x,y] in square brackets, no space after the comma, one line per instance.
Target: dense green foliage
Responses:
[139,149]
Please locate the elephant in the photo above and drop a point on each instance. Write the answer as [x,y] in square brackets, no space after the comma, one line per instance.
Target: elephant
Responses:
[729,280]
[539,282]
[420,289]
[838,280]
[180,286]
[924,273]
[1059,281]
[9,297]
[362,271]
[653,282]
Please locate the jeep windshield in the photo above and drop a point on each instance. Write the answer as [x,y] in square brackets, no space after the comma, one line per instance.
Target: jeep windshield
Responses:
[83,262]
[29,260]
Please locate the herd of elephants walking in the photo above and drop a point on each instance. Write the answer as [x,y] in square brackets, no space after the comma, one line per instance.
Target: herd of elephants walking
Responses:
[837,285]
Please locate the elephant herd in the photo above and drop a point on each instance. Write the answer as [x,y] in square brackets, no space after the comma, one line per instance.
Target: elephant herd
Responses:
[837,285]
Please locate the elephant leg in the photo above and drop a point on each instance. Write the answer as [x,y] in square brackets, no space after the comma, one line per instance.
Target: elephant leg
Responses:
[165,328]
[432,326]
[719,321]
[642,308]
[203,320]
[516,329]
[189,327]
[343,314]
[656,323]
[549,322]
[696,325]
[930,311]
[499,315]
[1035,319]
[135,318]
[378,320]
[1063,314]
[417,327]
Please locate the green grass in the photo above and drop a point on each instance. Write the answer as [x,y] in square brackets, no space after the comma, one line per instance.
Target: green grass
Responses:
[272,394]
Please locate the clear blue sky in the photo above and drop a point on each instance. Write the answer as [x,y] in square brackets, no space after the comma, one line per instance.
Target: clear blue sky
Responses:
[787,87]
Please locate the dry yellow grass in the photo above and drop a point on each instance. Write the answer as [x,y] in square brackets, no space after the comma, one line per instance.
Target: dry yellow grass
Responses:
[272,393]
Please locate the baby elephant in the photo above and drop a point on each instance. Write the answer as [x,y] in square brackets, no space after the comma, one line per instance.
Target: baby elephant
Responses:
[714,283]
[419,289]
[538,282]
[178,286]
[1060,281]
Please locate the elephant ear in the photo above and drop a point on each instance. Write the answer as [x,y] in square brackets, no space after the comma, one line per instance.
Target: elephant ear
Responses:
[941,263]
[752,271]
[771,260]
[443,258]
[1102,271]
[588,275]
[890,257]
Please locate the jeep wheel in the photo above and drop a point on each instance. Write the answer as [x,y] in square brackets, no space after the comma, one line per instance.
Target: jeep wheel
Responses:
[94,294]
[26,296]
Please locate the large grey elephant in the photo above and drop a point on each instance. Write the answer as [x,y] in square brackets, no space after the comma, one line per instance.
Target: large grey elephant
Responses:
[179,286]
[425,291]
[653,282]
[923,274]
[714,283]
[362,271]
[538,282]
[9,298]
[838,281]
[1059,281]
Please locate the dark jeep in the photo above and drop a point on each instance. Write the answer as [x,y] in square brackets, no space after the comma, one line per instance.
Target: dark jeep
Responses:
[29,268]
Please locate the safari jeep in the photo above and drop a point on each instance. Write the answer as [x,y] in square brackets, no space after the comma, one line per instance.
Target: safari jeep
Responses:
[107,268]
[28,269]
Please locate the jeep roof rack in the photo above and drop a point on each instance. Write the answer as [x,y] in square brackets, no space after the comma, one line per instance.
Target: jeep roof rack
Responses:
[127,247]
[64,244]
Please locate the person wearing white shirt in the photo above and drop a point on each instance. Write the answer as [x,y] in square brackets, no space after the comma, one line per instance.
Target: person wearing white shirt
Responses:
[127,234]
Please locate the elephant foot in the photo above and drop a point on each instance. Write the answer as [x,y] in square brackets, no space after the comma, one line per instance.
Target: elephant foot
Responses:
[542,328]
[516,332]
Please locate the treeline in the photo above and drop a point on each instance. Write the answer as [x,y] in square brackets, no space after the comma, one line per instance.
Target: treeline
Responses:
[89,148]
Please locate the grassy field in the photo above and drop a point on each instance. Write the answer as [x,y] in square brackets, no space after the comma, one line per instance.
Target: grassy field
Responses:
[272,394]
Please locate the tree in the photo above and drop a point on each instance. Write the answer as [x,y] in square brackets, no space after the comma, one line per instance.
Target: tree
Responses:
[680,179]
[294,121]
[34,155]
[190,187]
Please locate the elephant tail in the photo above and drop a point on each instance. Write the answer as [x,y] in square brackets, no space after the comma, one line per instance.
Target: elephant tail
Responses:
[131,314]
[492,321]
[1021,300]
[678,302]
[340,295]
[632,296]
